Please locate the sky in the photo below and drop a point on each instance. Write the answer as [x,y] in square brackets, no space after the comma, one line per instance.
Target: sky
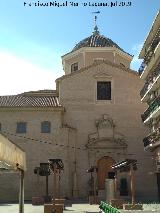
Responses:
[33,38]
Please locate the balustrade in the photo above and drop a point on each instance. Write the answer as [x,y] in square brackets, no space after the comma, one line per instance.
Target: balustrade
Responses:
[152,138]
[150,80]
[153,106]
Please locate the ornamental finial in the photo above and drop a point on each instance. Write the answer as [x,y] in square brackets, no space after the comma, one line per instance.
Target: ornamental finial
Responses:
[95,32]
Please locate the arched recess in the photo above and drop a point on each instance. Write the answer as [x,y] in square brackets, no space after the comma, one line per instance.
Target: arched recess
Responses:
[104,166]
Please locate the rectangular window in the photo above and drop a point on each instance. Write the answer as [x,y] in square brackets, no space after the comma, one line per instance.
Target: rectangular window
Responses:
[74,67]
[103,90]
[0,126]
[45,127]
[21,127]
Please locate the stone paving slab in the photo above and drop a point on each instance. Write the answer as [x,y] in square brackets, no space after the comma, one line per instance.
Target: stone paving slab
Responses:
[74,208]
[14,208]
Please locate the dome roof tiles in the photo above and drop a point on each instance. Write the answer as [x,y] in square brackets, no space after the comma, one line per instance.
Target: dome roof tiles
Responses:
[96,40]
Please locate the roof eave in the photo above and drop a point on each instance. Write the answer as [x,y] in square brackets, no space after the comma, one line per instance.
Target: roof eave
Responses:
[31,108]
[150,35]
[83,49]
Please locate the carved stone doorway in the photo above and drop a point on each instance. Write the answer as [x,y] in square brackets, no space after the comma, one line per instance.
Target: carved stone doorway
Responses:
[104,167]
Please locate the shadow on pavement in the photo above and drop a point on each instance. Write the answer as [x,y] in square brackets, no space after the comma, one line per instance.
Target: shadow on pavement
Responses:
[1,204]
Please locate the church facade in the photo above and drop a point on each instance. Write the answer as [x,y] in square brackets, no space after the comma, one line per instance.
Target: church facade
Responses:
[91,119]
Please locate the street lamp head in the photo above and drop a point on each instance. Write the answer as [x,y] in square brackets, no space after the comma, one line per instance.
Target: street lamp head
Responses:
[56,164]
[43,170]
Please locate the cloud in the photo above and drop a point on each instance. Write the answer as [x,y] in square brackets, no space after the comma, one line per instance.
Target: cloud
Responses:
[18,75]
[137,47]
[136,62]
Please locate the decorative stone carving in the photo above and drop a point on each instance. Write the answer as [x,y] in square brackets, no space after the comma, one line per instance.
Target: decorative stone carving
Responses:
[106,136]
[105,122]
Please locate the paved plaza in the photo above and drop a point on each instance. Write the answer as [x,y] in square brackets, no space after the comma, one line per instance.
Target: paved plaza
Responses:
[74,208]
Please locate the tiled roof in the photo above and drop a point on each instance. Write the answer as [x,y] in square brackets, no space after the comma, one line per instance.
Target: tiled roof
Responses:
[41,98]
[97,40]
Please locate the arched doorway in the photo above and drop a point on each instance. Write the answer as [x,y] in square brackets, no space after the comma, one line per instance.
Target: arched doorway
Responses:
[104,166]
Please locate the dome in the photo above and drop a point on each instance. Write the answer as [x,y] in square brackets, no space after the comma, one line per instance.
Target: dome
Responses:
[96,40]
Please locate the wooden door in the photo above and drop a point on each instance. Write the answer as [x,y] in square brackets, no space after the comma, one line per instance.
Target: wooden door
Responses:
[104,166]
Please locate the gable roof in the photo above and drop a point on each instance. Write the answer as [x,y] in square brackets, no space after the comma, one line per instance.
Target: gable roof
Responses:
[40,98]
[96,63]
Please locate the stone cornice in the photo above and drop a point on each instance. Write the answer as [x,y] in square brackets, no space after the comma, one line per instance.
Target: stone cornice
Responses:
[30,109]
[106,143]
[96,49]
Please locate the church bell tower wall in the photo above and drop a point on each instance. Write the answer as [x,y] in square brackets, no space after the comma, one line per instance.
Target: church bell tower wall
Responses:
[78,96]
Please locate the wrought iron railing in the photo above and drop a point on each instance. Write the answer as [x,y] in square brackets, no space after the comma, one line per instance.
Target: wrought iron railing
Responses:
[152,138]
[146,141]
[153,106]
[150,80]
[142,66]
[150,51]
[145,88]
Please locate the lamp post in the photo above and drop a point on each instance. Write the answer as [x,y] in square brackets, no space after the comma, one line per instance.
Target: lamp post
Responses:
[93,185]
[36,171]
[132,184]
[56,165]
[44,170]
[21,192]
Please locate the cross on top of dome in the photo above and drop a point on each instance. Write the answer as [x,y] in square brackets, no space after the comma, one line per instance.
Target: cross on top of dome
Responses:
[95,32]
